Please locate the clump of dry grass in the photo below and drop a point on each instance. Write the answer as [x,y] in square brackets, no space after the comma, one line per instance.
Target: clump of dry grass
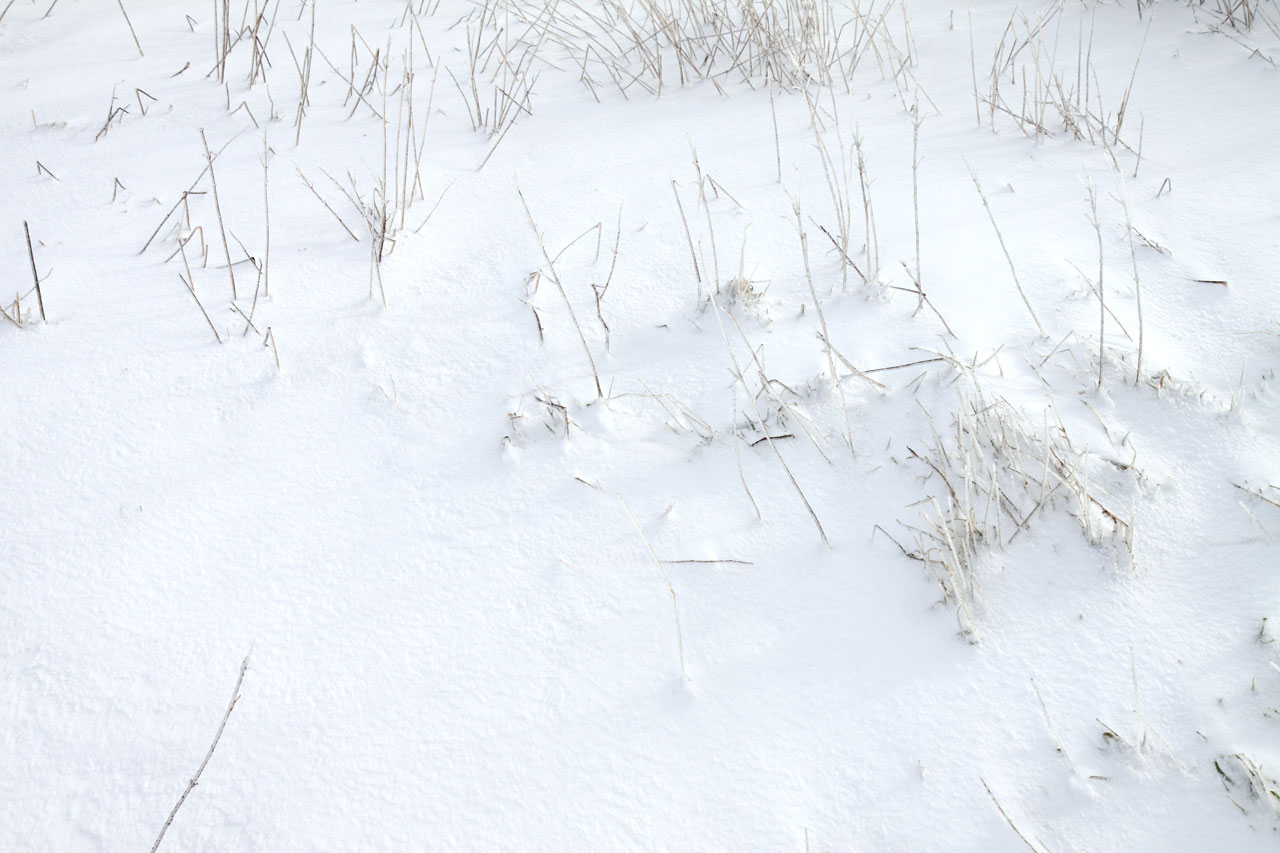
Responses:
[1244,778]
[653,44]
[1033,83]
[537,411]
[993,472]
[1238,14]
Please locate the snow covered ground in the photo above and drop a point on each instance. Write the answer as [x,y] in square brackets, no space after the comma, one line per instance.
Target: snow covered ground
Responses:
[631,432]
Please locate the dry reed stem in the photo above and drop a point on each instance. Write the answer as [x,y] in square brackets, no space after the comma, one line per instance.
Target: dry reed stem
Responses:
[35,275]
[192,291]
[822,322]
[675,607]
[120,3]
[1000,237]
[1006,817]
[235,697]
[689,237]
[266,214]
[555,278]
[737,369]
[1102,300]
[218,208]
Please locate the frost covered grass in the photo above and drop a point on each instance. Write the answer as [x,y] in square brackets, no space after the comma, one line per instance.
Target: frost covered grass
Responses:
[639,425]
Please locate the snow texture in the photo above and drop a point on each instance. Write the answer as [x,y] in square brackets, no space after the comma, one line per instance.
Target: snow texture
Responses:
[826,565]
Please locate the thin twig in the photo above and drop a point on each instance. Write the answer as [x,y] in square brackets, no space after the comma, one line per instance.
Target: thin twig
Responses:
[218,207]
[675,608]
[737,370]
[32,255]
[555,278]
[694,255]
[978,185]
[192,291]
[327,207]
[1005,815]
[1102,302]
[120,3]
[235,697]
[908,364]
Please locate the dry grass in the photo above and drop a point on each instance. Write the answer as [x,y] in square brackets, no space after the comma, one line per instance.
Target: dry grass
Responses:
[993,472]
[649,45]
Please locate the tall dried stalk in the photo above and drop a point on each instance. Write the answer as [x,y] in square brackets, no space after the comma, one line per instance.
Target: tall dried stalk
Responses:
[1137,284]
[35,275]
[218,207]
[738,377]
[235,697]
[675,607]
[120,3]
[266,215]
[555,278]
[822,322]
[1102,299]
[986,205]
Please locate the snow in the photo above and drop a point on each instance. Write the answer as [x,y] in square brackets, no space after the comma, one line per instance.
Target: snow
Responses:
[419,525]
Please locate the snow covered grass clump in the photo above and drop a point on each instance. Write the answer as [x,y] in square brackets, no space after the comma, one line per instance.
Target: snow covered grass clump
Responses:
[998,471]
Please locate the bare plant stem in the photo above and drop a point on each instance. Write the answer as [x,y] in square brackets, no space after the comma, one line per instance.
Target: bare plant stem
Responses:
[120,3]
[601,291]
[675,608]
[711,231]
[973,70]
[1005,815]
[551,271]
[235,697]
[737,454]
[777,147]
[822,322]
[192,291]
[271,337]
[689,237]
[226,248]
[1102,300]
[35,275]
[1137,285]
[1053,732]
[915,193]
[182,200]
[868,213]
[1142,126]
[226,40]
[1124,102]
[305,78]
[327,207]
[266,213]
[978,185]
[738,377]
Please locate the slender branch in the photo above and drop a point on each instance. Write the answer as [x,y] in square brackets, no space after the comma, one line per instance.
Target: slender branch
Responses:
[32,255]
[555,278]
[675,608]
[978,185]
[218,207]
[1005,815]
[120,3]
[235,696]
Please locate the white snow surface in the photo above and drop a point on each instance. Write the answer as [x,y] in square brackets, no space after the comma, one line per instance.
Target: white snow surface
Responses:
[457,637]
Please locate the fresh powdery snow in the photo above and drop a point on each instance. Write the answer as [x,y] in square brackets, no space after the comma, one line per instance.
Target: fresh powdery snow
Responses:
[588,425]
